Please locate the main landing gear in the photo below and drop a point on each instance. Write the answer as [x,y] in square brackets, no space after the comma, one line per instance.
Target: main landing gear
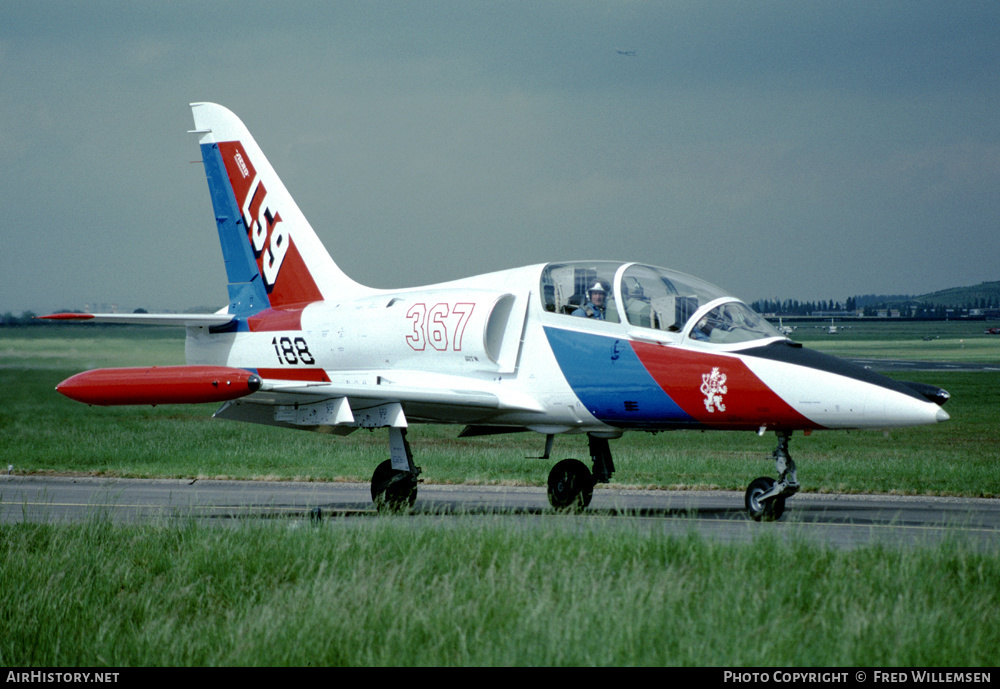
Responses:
[571,484]
[394,483]
[765,497]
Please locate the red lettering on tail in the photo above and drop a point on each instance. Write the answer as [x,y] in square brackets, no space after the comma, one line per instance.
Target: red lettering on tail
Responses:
[285,274]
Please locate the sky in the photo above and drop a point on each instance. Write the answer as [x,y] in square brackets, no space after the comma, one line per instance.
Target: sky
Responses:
[779,149]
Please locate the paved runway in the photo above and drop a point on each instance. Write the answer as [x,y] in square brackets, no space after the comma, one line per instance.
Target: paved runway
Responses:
[838,520]
[888,365]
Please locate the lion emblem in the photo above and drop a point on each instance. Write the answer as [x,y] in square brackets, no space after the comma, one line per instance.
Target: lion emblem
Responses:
[713,387]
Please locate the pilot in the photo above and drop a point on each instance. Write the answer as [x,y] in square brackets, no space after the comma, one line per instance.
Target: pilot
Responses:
[597,303]
[703,330]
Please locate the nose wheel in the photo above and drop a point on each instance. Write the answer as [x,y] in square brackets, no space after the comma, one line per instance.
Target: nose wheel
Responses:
[761,508]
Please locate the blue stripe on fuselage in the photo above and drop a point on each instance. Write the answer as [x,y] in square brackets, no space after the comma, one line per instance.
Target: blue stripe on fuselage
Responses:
[611,382]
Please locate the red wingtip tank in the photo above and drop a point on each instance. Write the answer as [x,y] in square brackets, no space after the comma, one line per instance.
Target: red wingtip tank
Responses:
[160,385]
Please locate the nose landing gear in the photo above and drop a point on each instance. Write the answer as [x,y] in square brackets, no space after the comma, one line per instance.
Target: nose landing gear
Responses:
[765,496]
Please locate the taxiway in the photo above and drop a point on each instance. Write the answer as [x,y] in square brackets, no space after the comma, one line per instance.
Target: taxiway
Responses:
[837,520]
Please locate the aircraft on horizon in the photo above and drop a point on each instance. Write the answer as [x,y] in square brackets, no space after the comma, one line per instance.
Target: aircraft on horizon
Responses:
[833,329]
[785,329]
[585,346]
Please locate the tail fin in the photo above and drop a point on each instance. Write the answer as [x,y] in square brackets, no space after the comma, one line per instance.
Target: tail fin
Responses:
[273,257]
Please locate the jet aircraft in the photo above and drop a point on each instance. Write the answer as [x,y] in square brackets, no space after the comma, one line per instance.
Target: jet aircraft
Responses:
[593,347]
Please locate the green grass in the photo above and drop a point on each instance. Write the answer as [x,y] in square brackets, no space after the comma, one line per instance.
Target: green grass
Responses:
[483,592]
[957,341]
[82,347]
[954,350]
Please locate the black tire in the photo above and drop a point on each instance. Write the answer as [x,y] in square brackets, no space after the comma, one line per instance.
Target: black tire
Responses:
[392,490]
[571,485]
[769,510]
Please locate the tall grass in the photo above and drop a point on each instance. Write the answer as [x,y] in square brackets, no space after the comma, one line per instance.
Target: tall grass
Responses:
[475,591]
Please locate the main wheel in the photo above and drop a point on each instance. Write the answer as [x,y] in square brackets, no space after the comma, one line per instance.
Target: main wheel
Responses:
[571,485]
[393,490]
[769,510]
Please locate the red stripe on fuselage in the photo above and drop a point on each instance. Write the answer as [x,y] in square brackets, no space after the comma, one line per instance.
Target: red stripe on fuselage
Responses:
[718,391]
[305,374]
[272,320]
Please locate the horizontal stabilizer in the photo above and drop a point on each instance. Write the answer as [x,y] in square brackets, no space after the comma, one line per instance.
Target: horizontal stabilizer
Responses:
[185,319]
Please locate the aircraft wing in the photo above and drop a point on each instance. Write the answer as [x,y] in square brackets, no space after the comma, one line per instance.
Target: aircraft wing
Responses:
[372,400]
[394,386]
[184,319]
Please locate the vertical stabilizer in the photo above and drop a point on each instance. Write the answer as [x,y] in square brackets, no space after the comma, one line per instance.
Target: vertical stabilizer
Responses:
[273,257]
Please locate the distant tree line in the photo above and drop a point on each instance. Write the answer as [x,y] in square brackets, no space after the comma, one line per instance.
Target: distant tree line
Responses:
[873,306]
[794,307]
[26,318]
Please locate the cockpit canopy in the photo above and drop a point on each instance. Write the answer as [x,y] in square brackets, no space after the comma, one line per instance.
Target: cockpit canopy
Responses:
[649,297]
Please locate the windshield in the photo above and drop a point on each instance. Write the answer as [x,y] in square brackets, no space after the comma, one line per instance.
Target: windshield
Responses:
[731,323]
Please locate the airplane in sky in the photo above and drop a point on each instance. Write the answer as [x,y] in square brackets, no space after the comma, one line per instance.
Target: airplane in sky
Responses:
[584,346]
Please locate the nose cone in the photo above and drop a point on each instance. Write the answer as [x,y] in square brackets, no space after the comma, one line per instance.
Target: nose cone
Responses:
[888,408]
[835,393]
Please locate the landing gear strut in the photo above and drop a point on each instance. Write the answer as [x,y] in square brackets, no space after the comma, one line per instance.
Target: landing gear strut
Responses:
[571,484]
[394,483]
[765,497]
